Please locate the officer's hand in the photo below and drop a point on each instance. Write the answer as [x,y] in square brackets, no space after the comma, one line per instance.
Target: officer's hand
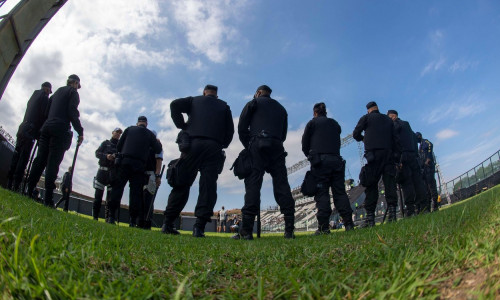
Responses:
[158,181]
[427,162]
[80,139]
[110,157]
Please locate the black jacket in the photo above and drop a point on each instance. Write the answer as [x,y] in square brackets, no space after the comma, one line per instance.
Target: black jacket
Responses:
[106,147]
[208,117]
[66,182]
[63,109]
[321,135]
[36,109]
[262,114]
[151,163]
[379,131]
[135,144]
[405,137]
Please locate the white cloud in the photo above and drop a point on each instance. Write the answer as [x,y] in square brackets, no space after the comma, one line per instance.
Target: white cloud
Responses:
[206,26]
[446,134]
[461,65]
[456,110]
[433,66]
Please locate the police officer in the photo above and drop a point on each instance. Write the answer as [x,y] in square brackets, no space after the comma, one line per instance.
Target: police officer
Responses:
[66,187]
[28,131]
[106,153]
[56,136]
[153,166]
[410,175]
[210,128]
[321,144]
[262,130]
[133,148]
[379,143]
[426,153]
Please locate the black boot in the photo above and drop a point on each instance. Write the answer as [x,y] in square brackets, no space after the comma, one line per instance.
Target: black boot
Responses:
[47,199]
[199,228]
[246,228]
[369,220]
[391,214]
[323,226]
[289,227]
[348,223]
[111,218]
[410,210]
[169,228]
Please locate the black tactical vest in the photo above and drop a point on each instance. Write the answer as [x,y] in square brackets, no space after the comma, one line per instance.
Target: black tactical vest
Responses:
[269,116]
[207,118]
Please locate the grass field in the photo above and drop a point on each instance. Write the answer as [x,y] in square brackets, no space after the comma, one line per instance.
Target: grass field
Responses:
[454,253]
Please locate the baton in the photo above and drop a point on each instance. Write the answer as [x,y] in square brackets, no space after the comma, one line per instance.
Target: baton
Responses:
[154,196]
[385,214]
[70,174]
[401,201]
[25,180]
[258,224]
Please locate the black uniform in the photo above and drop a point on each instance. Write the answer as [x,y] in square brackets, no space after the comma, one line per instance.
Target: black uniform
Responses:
[28,131]
[426,152]
[262,130]
[321,138]
[104,175]
[379,142]
[148,192]
[411,175]
[210,127]
[133,146]
[55,138]
[66,187]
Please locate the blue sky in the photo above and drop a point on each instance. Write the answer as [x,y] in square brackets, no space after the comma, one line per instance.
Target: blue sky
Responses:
[437,63]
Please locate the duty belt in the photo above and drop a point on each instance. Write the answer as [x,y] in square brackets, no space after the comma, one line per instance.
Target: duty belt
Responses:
[104,168]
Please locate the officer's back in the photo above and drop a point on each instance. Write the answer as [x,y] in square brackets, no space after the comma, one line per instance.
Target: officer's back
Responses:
[134,145]
[36,108]
[322,135]
[378,130]
[63,109]
[405,135]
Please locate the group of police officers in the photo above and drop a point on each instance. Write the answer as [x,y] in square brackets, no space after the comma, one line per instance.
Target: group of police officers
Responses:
[135,155]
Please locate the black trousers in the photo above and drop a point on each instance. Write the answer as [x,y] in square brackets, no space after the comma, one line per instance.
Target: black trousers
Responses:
[382,166]
[135,176]
[24,145]
[65,198]
[204,156]
[53,143]
[268,155]
[412,183]
[103,179]
[330,175]
[431,186]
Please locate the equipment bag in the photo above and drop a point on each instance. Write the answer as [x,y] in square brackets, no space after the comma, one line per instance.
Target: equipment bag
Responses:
[183,141]
[173,173]
[242,166]
[309,186]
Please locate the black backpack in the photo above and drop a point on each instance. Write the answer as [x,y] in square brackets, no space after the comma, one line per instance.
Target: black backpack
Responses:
[242,166]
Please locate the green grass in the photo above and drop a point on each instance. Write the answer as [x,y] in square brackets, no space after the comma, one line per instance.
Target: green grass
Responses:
[50,254]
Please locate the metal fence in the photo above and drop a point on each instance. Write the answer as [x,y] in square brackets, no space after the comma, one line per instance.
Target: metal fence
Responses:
[482,177]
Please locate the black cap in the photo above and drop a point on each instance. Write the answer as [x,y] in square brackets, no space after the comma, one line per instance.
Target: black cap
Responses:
[371,104]
[211,87]
[76,78]
[47,85]
[418,134]
[264,88]
[142,119]
[392,111]
[117,129]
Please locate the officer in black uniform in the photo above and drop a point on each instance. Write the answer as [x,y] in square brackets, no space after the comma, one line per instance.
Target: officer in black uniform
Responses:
[379,153]
[210,128]
[321,144]
[28,131]
[427,163]
[262,130]
[56,136]
[133,148]
[106,153]
[66,187]
[150,188]
[410,174]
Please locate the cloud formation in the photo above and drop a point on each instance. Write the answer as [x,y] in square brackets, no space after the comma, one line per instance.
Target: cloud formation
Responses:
[446,134]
